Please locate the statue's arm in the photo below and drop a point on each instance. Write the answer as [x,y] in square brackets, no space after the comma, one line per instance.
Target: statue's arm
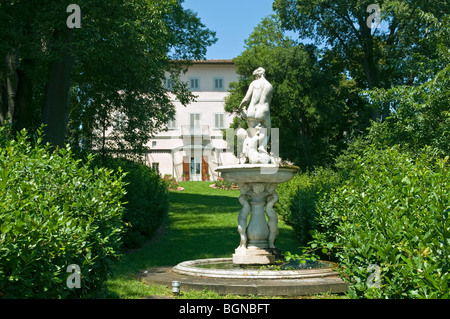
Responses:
[246,100]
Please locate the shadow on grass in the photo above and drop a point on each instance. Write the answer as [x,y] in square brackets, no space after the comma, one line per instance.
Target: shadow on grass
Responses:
[182,200]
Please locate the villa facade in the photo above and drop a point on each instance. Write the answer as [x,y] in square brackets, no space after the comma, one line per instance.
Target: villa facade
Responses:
[194,146]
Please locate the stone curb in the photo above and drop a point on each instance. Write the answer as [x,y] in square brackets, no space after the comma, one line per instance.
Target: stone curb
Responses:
[231,286]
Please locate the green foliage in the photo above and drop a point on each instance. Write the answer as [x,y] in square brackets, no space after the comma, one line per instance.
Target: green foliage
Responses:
[389,55]
[120,55]
[390,212]
[298,198]
[393,213]
[147,199]
[55,212]
[421,117]
[125,49]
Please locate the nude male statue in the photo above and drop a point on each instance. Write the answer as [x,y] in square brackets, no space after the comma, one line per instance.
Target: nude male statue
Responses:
[258,98]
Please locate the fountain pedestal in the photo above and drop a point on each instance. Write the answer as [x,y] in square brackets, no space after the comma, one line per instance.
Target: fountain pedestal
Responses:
[257,184]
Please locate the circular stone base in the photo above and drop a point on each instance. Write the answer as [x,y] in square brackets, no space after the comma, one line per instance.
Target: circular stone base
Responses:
[215,268]
[241,281]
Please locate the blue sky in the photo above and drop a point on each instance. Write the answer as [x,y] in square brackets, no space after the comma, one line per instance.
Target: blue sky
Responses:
[233,21]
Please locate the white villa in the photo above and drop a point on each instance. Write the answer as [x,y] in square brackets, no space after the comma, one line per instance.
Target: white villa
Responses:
[193,146]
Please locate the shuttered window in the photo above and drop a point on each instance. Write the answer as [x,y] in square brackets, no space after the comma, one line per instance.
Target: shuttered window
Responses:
[194,83]
[218,120]
[218,84]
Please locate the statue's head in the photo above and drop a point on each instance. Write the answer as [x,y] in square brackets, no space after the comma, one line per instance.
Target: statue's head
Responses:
[244,188]
[258,188]
[259,72]
[271,188]
[241,134]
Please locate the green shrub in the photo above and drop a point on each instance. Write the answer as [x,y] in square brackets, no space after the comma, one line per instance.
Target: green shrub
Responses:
[147,199]
[392,213]
[298,197]
[55,212]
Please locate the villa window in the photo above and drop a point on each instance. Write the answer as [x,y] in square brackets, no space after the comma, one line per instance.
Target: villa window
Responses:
[194,83]
[195,120]
[218,120]
[218,84]
[169,84]
[172,124]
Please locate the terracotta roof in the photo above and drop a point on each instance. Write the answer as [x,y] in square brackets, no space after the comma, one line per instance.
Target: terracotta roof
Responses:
[222,61]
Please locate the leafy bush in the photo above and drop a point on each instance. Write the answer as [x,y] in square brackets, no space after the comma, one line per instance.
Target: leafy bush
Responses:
[298,197]
[55,212]
[393,212]
[147,199]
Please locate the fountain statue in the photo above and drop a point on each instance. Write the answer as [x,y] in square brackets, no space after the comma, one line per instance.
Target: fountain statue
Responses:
[257,175]
[258,98]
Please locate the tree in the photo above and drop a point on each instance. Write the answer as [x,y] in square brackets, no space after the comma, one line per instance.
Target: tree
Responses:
[421,116]
[114,63]
[307,106]
[379,59]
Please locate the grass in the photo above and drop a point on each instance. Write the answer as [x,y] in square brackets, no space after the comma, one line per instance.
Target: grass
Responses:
[201,223]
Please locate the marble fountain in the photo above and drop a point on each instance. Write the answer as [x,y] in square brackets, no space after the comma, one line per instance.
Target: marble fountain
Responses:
[258,173]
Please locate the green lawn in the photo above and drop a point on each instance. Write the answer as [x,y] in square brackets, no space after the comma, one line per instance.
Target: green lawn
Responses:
[202,223]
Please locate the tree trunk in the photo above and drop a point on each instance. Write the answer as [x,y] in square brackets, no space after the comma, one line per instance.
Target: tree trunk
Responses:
[369,63]
[23,112]
[3,102]
[8,88]
[3,98]
[55,111]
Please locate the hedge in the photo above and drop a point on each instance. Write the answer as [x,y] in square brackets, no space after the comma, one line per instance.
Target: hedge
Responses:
[389,225]
[55,212]
[146,199]
[298,198]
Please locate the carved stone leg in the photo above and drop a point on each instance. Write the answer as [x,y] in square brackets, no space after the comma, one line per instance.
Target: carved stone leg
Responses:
[242,220]
[258,232]
[272,218]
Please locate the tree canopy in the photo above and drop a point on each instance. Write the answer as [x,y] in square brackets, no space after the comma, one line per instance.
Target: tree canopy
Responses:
[329,92]
[80,78]
[389,55]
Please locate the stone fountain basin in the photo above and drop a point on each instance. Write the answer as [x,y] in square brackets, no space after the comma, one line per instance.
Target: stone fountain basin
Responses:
[257,173]
[194,268]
